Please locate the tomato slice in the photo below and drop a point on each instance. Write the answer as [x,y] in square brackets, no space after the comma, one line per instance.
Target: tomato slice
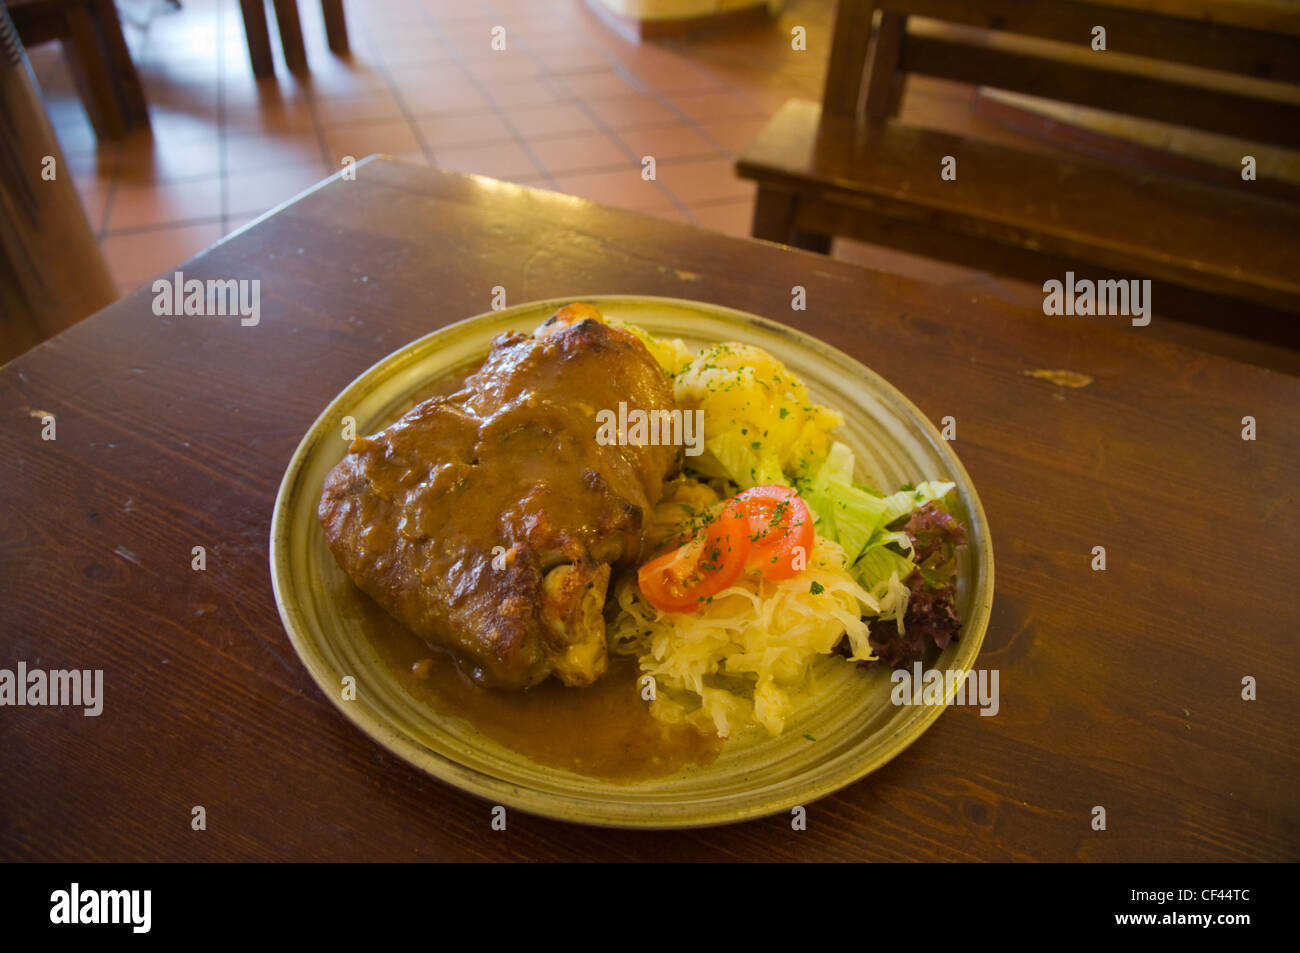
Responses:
[781,530]
[683,578]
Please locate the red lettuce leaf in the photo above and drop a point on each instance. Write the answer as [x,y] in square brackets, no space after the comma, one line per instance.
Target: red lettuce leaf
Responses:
[931,617]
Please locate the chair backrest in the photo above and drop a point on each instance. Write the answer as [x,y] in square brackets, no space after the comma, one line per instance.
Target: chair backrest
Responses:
[1225,66]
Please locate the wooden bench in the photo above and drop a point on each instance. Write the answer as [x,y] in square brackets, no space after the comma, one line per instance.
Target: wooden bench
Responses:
[847,167]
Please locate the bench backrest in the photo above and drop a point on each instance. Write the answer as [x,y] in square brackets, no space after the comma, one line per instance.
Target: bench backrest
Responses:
[1225,66]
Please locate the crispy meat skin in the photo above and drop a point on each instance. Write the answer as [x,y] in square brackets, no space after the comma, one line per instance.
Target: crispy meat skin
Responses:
[414,512]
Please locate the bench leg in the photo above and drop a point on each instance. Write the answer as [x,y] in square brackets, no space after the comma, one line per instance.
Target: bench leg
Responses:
[259,37]
[774,215]
[336,27]
[884,81]
[286,17]
[810,241]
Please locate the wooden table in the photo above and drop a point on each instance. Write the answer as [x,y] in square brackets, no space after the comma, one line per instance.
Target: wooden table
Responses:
[1119,688]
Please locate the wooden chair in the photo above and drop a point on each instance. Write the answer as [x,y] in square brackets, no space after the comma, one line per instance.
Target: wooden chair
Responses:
[848,167]
[52,272]
[290,26]
[97,57]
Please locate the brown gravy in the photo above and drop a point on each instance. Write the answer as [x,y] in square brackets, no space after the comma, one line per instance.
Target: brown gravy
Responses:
[603,731]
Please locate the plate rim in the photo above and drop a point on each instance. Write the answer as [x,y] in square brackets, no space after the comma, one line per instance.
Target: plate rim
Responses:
[568,807]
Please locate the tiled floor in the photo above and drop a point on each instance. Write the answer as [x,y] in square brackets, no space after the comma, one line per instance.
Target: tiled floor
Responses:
[568,105]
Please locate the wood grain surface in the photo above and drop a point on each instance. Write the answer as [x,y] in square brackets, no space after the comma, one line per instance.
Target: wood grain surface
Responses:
[1119,688]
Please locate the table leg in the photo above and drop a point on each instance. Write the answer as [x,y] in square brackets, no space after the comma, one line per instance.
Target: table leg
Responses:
[259,37]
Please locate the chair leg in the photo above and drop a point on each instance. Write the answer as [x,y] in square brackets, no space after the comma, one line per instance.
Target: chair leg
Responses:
[259,37]
[126,81]
[91,74]
[336,27]
[286,17]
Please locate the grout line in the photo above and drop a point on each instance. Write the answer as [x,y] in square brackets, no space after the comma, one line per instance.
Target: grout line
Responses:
[163,226]
[459,60]
[403,110]
[655,95]
[603,127]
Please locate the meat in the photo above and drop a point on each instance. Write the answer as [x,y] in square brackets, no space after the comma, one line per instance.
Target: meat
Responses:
[488,521]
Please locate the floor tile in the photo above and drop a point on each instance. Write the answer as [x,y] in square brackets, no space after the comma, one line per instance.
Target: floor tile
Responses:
[375,106]
[584,151]
[253,192]
[395,138]
[246,151]
[731,218]
[671,213]
[144,159]
[498,160]
[163,203]
[628,112]
[503,67]
[555,120]
[732,134]
[449,130]
[93,193]
[603,84]
[455,94]
[625,189]
[677,140]
[137,257]
[529,92]
[720,104]
[703,181]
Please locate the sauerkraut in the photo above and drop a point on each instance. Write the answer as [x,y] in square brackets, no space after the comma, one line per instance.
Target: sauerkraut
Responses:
[743,657]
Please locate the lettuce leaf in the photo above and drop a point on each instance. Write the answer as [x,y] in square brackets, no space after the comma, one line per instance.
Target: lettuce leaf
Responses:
[847,512]
[900,504]
[931,617]
[879,562]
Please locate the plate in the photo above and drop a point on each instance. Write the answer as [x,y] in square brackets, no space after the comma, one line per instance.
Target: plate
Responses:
[854,728]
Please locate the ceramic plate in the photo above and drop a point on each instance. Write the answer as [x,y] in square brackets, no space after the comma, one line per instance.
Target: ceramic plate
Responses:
[856,727]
